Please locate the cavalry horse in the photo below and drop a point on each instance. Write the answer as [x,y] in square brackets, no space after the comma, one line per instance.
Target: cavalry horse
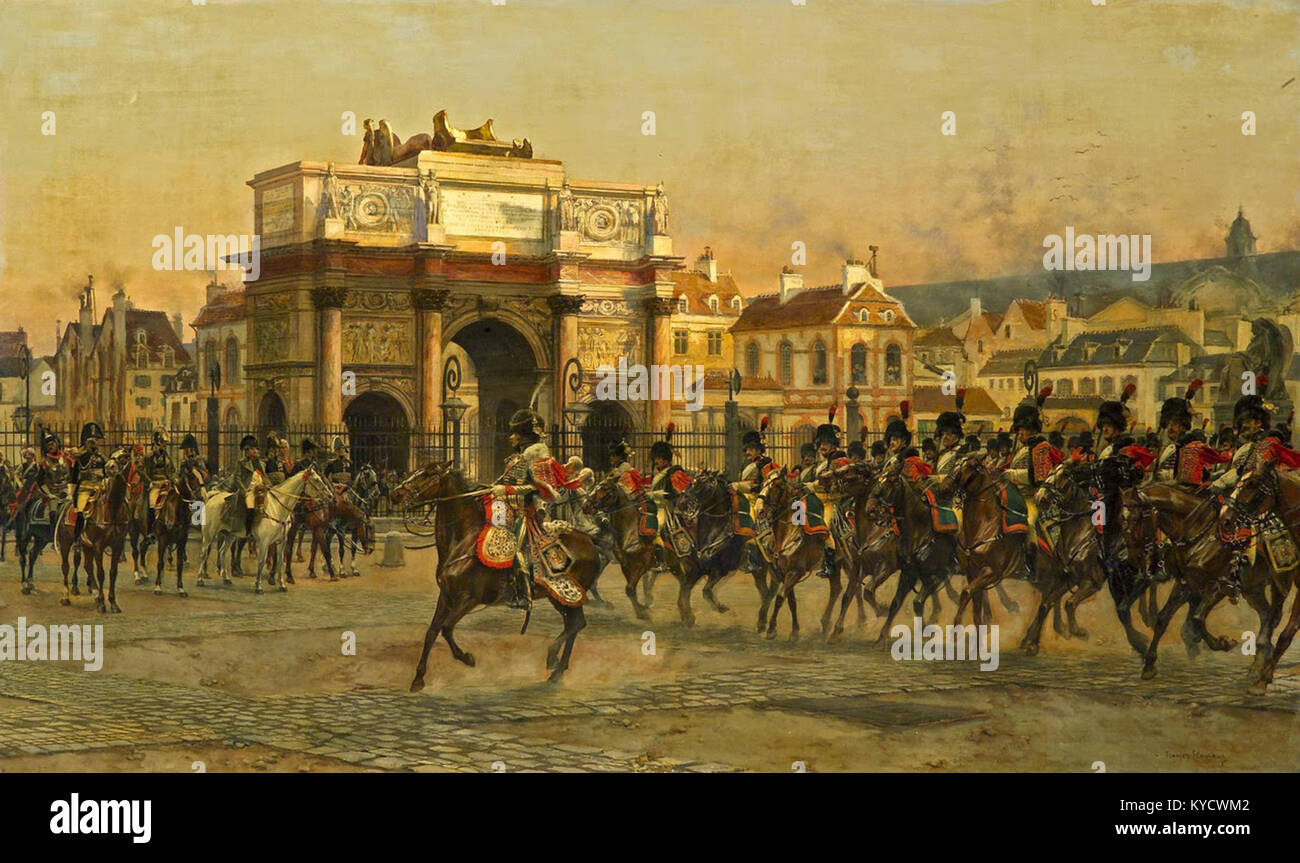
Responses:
[795,553]
[634,550]
[270,524]
[922,553]
[988,553]
[706,511]
[314,518]
[1071,564]
[875,546]
[171,526]
[465,582]
[1264,492]
[34,527]
[104,528]
[350,524]
[1195,555]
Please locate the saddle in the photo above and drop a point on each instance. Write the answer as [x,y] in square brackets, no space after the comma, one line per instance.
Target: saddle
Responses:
[944,518]
[551,561]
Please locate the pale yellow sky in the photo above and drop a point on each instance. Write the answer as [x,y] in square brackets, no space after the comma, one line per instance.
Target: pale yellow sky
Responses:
[776,123]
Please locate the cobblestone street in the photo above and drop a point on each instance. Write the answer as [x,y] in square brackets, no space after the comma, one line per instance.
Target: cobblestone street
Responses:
[480,722]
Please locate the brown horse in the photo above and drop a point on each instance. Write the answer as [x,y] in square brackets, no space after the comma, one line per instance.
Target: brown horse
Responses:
[922,554]
[706,511]
[312,517]
[989,553]
[1262,492]
[105,528]
[795,553]
[1195,556]
[1073,564]
[171,526]
[351,526]
[464,582]
[874,546]
[634,551]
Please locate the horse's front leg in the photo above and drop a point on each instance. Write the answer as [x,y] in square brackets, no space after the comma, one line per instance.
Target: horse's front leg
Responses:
[118,554]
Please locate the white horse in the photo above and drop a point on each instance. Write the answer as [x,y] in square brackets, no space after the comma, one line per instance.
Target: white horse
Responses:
[270,524]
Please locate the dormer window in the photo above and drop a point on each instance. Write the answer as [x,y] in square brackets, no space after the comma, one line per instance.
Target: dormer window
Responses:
[141,337]
[1058,352]
[1122,345]
[888,316]
[737,304]
[713,304]
[864,316]
[1089,351]
[681,304]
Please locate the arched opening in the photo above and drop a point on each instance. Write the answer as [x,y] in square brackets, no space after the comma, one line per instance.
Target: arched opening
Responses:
[604,427]
[507,372]
[270,414]
[379,433]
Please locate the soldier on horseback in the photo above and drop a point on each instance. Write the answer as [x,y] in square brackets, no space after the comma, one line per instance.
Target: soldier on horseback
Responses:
[806,470]
[1032,459]
[620,467]
[757,462]
[248,483]
[339,469]
[192,465]
[87,472]
[948,426]
[832,458]
[310,457]
[50,478]
[898,438]
[666,485]
[277,464]
[1250,416]
[158,469]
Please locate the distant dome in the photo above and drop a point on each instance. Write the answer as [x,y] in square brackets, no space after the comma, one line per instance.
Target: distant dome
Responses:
[1240,242]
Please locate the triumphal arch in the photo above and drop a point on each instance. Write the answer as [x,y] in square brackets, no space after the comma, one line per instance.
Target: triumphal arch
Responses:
[373,275]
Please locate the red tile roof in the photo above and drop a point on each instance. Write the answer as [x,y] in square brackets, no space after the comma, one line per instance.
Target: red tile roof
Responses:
[697,289]
[226,307]
[817,306]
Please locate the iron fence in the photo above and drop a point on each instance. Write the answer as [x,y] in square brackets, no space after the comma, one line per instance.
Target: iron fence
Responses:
[393,450]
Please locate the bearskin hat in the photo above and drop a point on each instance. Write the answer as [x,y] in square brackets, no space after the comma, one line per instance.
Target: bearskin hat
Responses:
[897,426]
[828,432]
[1116,413]
[190,442]
[247,441]
[1251,407]
[663,449]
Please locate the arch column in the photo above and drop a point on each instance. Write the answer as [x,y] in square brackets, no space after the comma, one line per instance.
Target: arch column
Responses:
[659,310]
[429,303]
[328,298]
[564,311]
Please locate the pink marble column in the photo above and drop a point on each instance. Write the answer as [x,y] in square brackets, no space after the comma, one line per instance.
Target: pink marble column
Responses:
[429,303]
[329,365]
[659,310]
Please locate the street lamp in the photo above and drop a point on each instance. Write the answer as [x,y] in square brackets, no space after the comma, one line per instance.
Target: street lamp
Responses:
[575,412]
[453,408]
[25,354]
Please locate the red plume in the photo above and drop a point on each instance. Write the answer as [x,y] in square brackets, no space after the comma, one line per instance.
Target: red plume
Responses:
[1261,382]
[1129,389]
[905,409]
[1043,394]
[668,432]
[1205,423]
[830,415]
[762,424]
[961,397]
[1193,388]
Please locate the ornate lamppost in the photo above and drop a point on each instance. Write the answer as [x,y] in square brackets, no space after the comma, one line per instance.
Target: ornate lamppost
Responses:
[25,354]
[453,408]
[731,424]
[575,412]
[214,440]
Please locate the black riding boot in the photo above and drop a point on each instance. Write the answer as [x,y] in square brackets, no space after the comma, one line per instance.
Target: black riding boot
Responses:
[521,595]
[829,562]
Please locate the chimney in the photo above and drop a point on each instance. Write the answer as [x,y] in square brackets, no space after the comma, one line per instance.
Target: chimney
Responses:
[706,265]
[791,283]
[975,310]
[86,321]
[854,273]
[215,289]
[178,327]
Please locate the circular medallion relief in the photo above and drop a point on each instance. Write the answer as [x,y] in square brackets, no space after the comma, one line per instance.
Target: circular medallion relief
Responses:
[601,223]
[371,210]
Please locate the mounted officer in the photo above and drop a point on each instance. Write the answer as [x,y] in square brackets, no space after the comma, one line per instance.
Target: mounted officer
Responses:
[192,466]
[49,480]
[948,428]
[1186,453]
[248,483]
[620,467]
[87,472]
[529,481]
[666,485]
[158,469]
[310,457]
[1033,456]
[339,469]
[831,459]
[1114,419]
[277,465]
[1250,417]
[757,462]
[898,438]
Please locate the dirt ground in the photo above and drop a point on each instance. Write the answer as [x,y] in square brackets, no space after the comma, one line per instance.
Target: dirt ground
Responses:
[989,727]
